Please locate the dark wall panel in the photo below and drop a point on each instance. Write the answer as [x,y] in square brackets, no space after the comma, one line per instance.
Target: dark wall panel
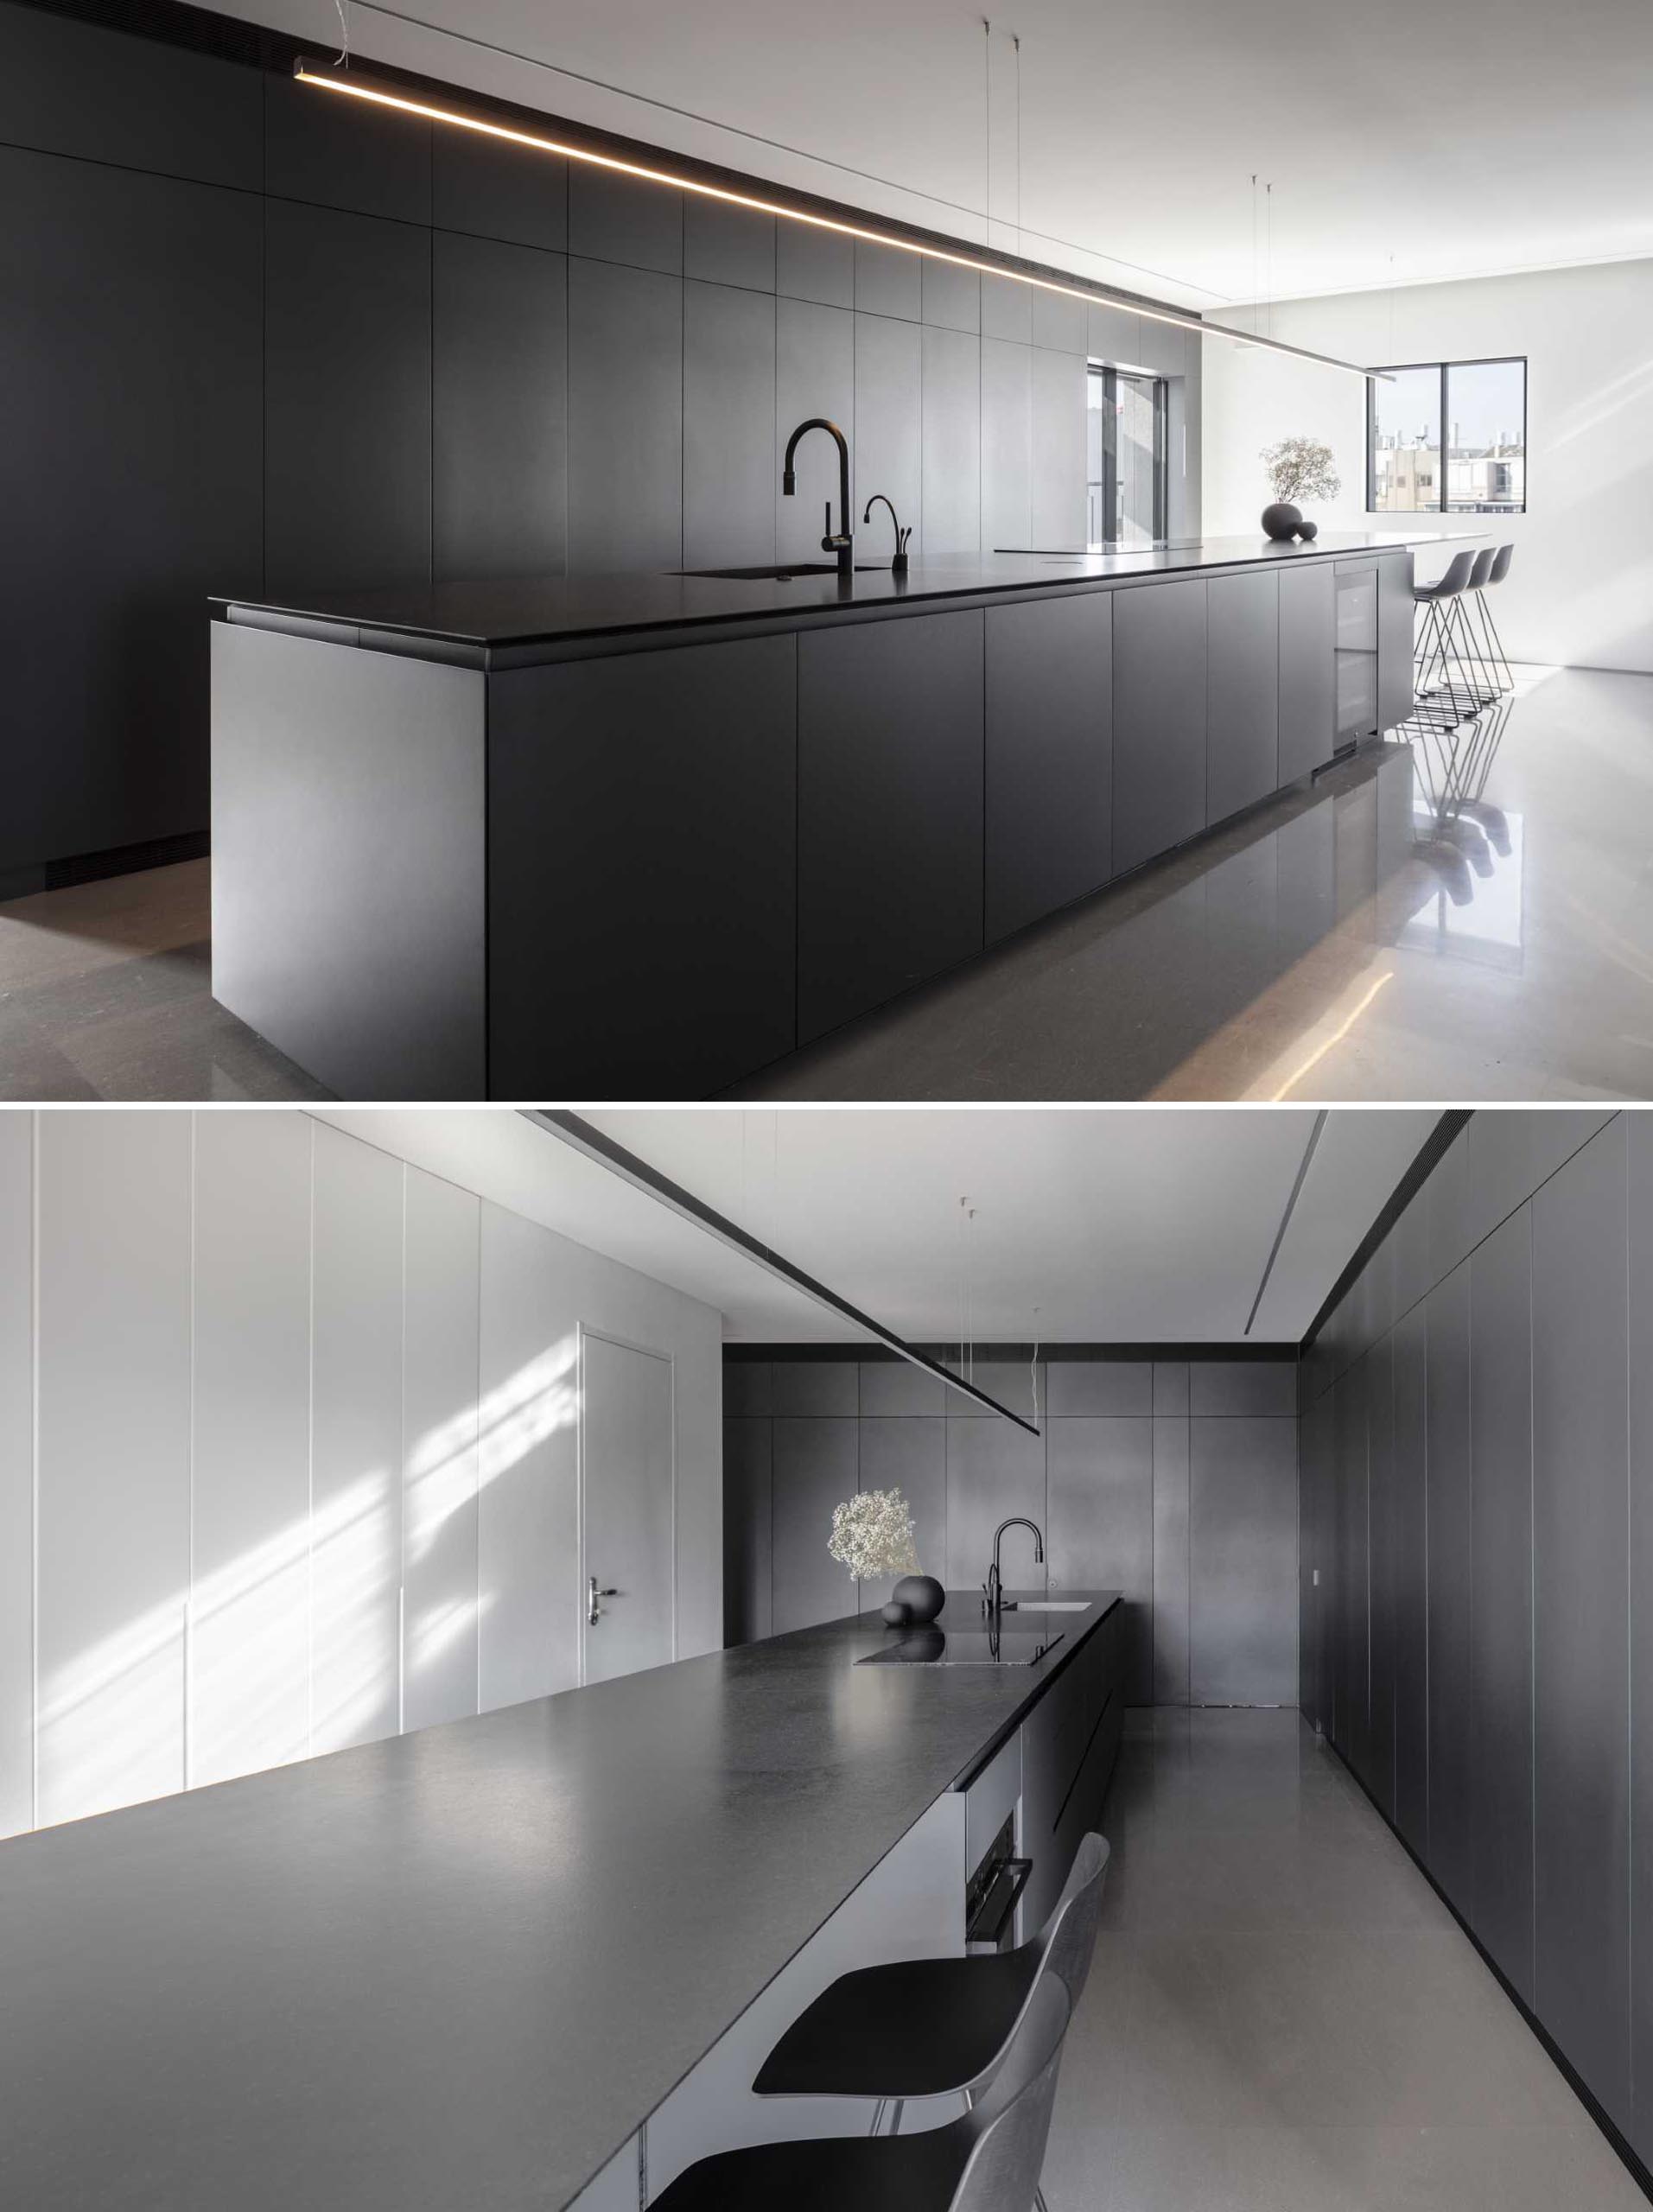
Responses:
[68,88]
[1057,492]
[814,374]
[1171,1558]
[129,484]
[499,447]
[952,448]
[347,400]
[370,161]
[729,245]
[908,1453]
[1640,1339]
[1501,1738]
[729,470]
[1409,1534]
[625,418]
[1315,1444]
[1380,1522]
[1451,1727]
[748,1529]
[814,1470]
[498,191]
[1049,756]
[1354,1648]
[1243,1508]
[889,420]
[621,219]
[1006,438]
[1581,1621]
[1101,1528]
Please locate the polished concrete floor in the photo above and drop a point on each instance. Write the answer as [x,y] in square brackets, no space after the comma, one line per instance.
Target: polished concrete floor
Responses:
[1434,921]
[1282,2016]
[105,992]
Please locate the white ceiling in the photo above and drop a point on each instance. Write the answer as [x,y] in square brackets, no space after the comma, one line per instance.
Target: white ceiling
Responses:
[1128,1224]
[1406,140]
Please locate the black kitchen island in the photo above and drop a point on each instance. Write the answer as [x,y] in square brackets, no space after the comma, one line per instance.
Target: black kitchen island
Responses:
[638,836]
[466,1966]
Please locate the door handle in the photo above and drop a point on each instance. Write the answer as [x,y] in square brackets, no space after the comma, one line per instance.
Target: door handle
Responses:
[594,1610]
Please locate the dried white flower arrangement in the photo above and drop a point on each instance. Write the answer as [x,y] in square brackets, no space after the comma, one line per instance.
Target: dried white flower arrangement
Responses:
[1301,468]
[872,1534]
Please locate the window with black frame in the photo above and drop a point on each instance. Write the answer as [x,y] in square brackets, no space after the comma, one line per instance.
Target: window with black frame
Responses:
[1447,438]
[1125,444]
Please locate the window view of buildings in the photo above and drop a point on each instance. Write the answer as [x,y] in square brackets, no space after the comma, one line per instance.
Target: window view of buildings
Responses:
[1484,467]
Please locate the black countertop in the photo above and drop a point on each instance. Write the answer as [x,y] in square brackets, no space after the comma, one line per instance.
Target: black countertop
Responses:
[458,1968]
[557,610]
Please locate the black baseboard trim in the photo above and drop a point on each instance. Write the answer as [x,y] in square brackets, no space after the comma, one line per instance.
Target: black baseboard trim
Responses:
[1638,2172]
[1251,1354]
[91,868]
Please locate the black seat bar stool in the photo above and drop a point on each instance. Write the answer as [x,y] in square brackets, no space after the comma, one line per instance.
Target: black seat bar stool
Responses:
[1468,650]
[988,2160]
[1439,603]
[936,2027]
[1496,575]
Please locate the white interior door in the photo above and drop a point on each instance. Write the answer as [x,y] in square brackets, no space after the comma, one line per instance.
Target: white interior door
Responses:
[627,1507]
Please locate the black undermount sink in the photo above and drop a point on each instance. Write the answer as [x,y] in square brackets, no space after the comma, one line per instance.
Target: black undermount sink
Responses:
[785,572]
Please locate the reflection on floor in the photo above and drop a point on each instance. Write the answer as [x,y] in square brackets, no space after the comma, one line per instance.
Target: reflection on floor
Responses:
[1459,917]
[1282,2016]
[105,992]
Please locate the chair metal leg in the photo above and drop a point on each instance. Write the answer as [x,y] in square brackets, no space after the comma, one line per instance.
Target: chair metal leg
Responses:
[895,2123]
[877,2127]
[1040,2205]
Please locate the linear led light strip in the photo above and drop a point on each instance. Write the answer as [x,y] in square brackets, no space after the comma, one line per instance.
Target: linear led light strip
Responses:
[358,88]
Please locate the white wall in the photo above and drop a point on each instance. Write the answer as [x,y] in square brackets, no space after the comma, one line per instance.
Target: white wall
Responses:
[288,1437]
[1580,590]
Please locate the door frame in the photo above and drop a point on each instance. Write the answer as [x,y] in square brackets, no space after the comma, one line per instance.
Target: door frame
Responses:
[583,1330]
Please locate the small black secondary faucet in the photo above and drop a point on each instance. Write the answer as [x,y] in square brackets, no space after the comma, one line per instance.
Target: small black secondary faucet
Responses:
[995,1583]
[844,544]
[898,566]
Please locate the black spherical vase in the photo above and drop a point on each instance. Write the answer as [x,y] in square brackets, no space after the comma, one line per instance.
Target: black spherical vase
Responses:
[922,1595]
[896,1615]
[1282,520]
[1308,532]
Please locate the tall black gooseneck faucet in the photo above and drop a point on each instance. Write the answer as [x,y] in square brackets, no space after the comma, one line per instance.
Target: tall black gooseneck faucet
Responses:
[844,544]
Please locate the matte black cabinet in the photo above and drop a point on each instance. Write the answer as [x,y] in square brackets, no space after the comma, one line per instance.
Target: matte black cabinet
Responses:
[1501,1554]
[1409,1557]
[1308,695]
[1049,756]
[1242,705]
[890,745]
[1159,719]
[641,872]
[1352,1736]
[1581,1841]
[1395,623]
[1380,1542]
[1450,1651]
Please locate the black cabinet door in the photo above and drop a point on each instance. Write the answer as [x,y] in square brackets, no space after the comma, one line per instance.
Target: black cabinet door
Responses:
[1394,627]
[1308,687]
[1409,1570]
[889,809]
[1242,678]
[1451,1725]
[1380,1522]
[641,872]
[129,380]
[1500,1903]
[1159,719]
[1581,1840]
[347,401]
[1354,1656]
[1049,755]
